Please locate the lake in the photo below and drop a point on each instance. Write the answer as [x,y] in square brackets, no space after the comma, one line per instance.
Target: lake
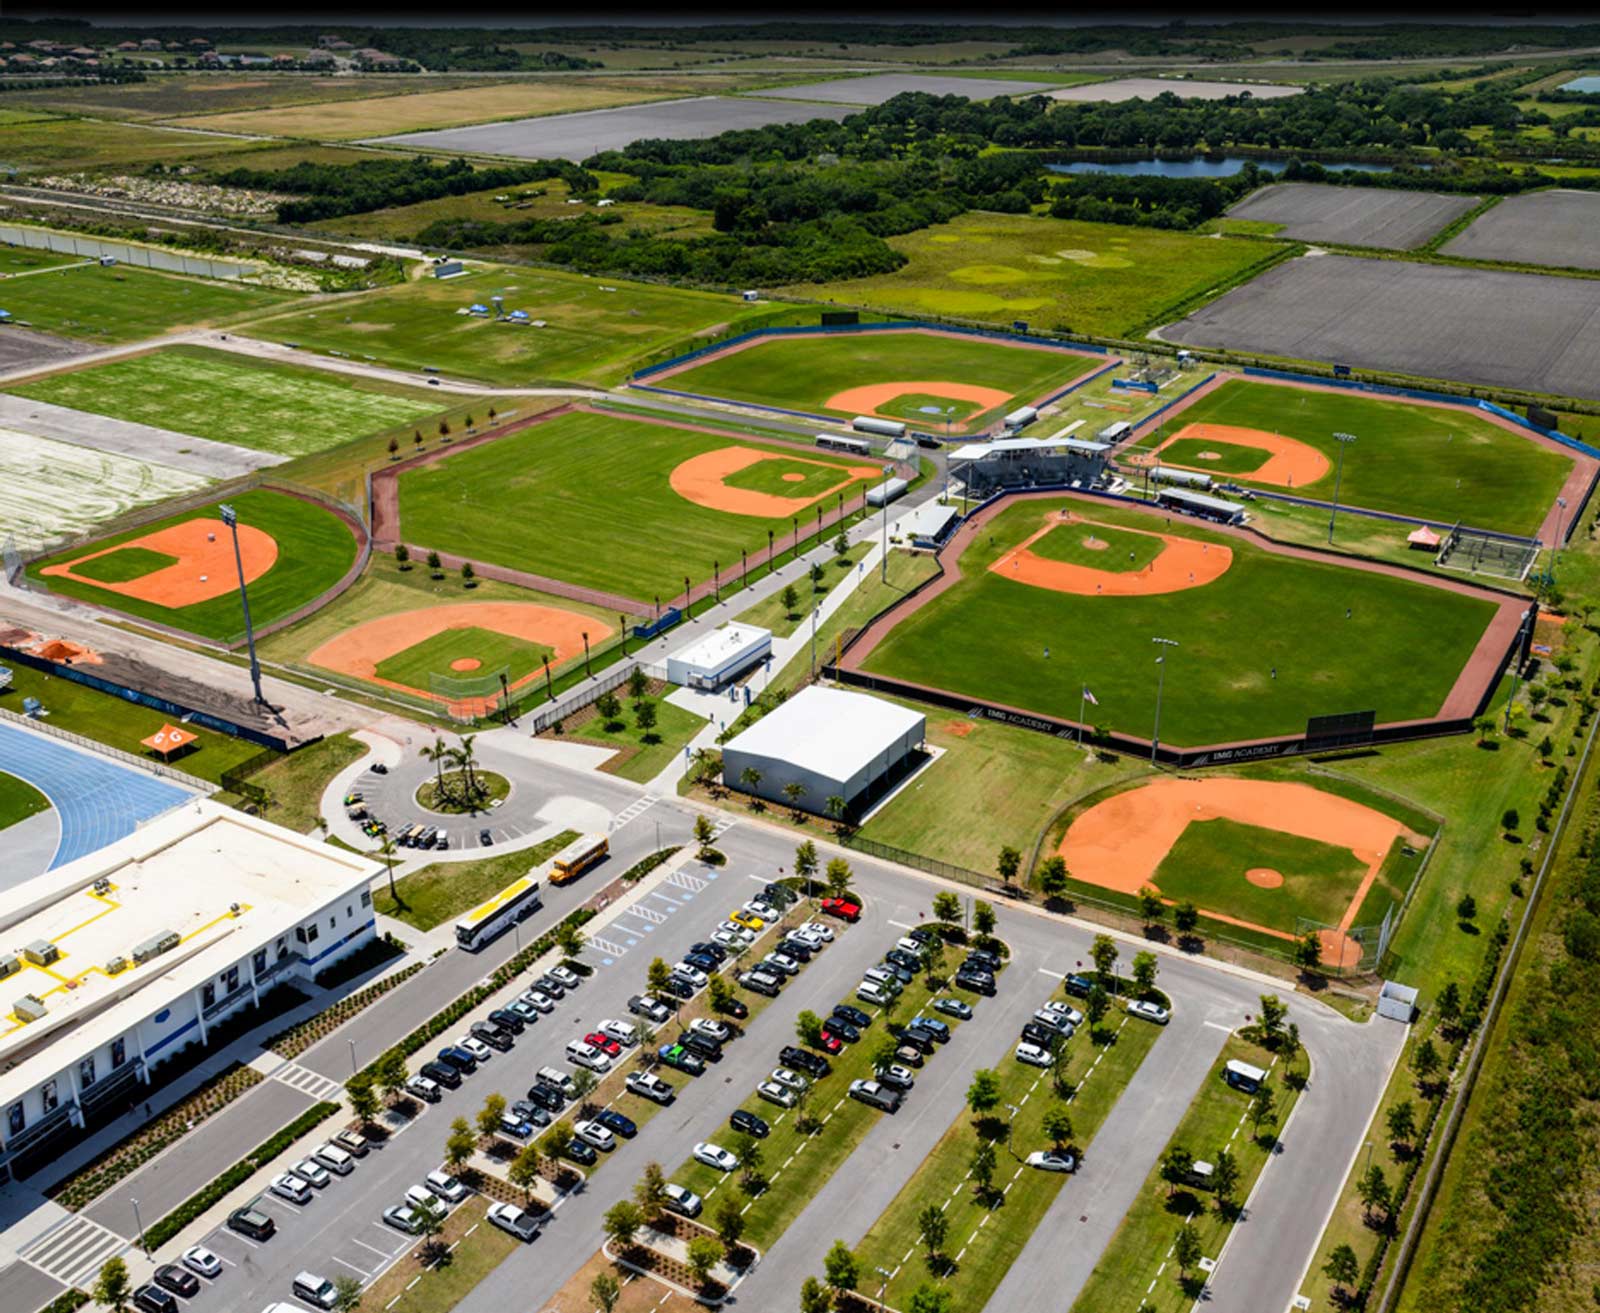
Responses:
[1200,167]
[1589,85]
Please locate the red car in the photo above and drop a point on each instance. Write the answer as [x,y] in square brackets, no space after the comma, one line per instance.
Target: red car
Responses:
[829,1043]
[604,1043]
[845,909]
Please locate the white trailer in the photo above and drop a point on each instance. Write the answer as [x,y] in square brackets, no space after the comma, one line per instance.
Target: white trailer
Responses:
[886,428]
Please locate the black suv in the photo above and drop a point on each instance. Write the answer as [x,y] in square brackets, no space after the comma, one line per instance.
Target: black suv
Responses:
[679,987]
[508,1021]
[798,949]
[855,1016]
[749,1123]
[901,958]
[977,982]
[1046,1037]
[704,1045]
[441,1074]
[1077,986]
[922,935]
[491,1035]
[252,1222]
[711,950]
[841,1030]
[919,1039]
[813,1064]
[547,1097]
[982,957]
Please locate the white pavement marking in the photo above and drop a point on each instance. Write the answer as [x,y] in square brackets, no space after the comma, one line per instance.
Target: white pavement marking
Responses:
[74,1251]
[1217,1025]
[308,1082]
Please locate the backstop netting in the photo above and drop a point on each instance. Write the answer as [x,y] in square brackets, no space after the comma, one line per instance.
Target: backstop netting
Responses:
[470,697]
[1476,551]
[1354,951]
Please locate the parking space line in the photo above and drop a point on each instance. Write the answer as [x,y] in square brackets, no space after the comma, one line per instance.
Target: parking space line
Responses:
[359,1271]
[381,1253]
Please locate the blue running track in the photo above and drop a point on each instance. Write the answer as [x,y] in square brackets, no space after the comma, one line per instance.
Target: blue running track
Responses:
[97,801]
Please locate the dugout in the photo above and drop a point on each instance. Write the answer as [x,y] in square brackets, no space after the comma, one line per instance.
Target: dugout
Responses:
[928,525]
[1199,504]
[985,468]
[1181,478]
[720,656]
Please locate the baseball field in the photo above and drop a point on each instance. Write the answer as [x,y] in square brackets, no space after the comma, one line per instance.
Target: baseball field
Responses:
[1265,639]
[284,409]
[1442,463]
[626,505]
[180,571]
[919,376]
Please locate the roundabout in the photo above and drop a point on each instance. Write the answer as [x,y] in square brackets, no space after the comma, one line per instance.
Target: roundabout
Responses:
[458,793]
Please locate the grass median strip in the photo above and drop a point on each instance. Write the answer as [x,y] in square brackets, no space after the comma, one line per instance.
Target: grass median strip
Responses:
[436,893]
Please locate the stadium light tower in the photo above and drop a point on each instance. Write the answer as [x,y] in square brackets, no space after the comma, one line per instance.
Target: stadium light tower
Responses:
[231,519]
[1161,683]
[884,573]
[1344,440]
[1555,548]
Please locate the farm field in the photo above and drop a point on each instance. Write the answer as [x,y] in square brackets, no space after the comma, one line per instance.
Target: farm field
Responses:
[1353,216]
[1256,654]
[313,549]
[542,499]
[1051,273]
[52,490]
[1440,463]
[178,94]
[45,143]
[284,409]
[820,374]
[592,335]
[109,305]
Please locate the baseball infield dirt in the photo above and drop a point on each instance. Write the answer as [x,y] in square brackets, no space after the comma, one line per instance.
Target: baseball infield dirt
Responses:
[700,479]
[1182,563]
[866,399]
[1291,464]
[204,568]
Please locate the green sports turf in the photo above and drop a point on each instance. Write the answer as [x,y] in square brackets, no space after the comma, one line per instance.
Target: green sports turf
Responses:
[116,303]
[19,800]
[1122,551]
[1231,458]
[802,373]
[987,637]
[584,498]
[925,409]
[284,409]
[768,476]
[315,548]
[1207,867]
[433,656]
[1435,462]
[127,563]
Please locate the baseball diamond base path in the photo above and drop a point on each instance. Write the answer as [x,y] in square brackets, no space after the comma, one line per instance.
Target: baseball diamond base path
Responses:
[1182,563]
[701,480]
[1118,844]
[361,649]
[204,568]
[1290,464]
[867,399]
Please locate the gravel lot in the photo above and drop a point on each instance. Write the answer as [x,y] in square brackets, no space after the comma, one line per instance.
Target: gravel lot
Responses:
[1529,331]
[22,348]
[1149,88]
[879,87]
[578,136]
[1546,227]
[1353,216]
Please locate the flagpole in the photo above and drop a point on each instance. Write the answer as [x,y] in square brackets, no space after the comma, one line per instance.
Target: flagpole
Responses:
[1083,693]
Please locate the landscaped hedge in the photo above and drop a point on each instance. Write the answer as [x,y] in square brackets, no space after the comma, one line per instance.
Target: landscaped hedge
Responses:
[645,865]
[67,1302]
[298,1038]
[236,1175]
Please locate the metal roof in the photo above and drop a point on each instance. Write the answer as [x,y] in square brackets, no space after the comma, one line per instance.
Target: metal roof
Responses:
[828,731]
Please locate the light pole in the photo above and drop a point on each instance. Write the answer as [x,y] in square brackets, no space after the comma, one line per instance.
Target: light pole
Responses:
[231,519]
[1555,549]
[1516,669]
[139,1222]
[1161,683]
[1344,440]
[353,1067]
[884,574]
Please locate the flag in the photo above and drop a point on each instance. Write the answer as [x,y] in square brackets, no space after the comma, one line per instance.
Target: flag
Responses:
[1090,697]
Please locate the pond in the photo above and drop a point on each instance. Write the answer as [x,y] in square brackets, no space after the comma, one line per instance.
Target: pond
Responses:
[1200,167]
[1589,84]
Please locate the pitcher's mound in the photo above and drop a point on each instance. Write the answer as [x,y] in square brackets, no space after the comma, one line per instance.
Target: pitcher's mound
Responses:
[1094,544]
[465,664]
[1264,877]
[1210,455]
[794,478]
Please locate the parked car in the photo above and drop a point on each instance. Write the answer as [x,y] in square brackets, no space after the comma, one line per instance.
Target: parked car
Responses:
[1033,1055]
[798,949]
[762,982]
[647,1086]
[716,951]
[459,1059]
[846,909]
[404,1218]
[920,1037]
[772,1092]
[595,1040]
[682,1200]
[312,1173]
[790,1079]
[679,987]
[529,1111]
[197,1258]
[514,1221]
[855,1016]
[425,1088]
[922,936]
[515,1127]
[929,1025]
[447,1187]
[252,1223]
[291,1187]
[169,1276]
[583,1054]
[727,939]
[897,1077]
[642,1005]
[546,1098]
[353,1143]
[617,1124]
[475,1043]
[506,1019]
[556,1079]
[779,895]
[747,921]
[620,1031]
[581,1151]
[782,962]
[595,1134]
[714,1155]
[523,1011]
[818,928]
[876,1095]
[984,958]
[909,1056]
[1050,1160]
[153,1299]
[1065,1011]
[335,1159]
[315,1290]
[870,991]
[908,962]
[1077,986]
[749,1123]
[485,839]
[953,1007]
[679,1058]
[715,1029]
[813,1064]
[840,1029]
[743,933]
[884,978]
[978,984]
[1148,1011]
[830,1043]
[419,1196]
[703,1045]
[537,999]
[1046,1037]
[692,973]
[551,986]
[566,977]
[701,962]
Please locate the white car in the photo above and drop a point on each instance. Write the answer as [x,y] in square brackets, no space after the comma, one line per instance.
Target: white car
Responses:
[772,1092]
[869,991]
[596,1134]
[620,1031]
[422,1088]
[291,1187]
[791,1080]
[647,1086]
[1065,1011]
[782,962]
[743,934]
[692,973]
[756,908]
[1147,1011]
[714,1155]
[681,1199]
[419,1196]
[1048,1160]
[586,1055]
[312,1173]
[817,928]
[1056,1021]
[201,1261]
[538,999]
[514,1221]
[445,1186]
[481,1051]
[714,1029]
[565,976]
[1033,1055]
[727,939]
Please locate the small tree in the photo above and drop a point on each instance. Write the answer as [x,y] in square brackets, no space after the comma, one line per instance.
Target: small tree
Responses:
[982,1167]
[390,1073]
[1343,1268]
[1176,1165]
[841,1268]
[609,706]
[583,1084]
[570,938]
[747,1149]
[416,440]
[793,791]
[346,1295]
[557,1140]
[644,716]
[650,1192]
[933,1227]
[884,1053]
[1225,1178]
[638,683]
[494,1108]
[622,1222]
[1272,1014]
[459,1144]
[720,994]
[1483,726]
[1308,951]
[1185,1250]
[1144,972]
[705,1252]
[1096,1005]
[1510,820]
[1053,877]
[808,1026]
[363,1098]
[841,544]
[1057,1126]
[815,1297]
[1467,909]
[1425,1062]
[1152,909]
[838,810]
[435,567]
[1008,863]
[1402,1123]
[429,1227]
[730,1219]
[816,577]
[1448,1005]
[604,1293]
[524,1169]
[837,877]
[703,831]
[444,428]
[468,574]
[394,447]
[1185,916]
[1061,1071]
[1376,1197]
[983,918]
[1289,1047]
[1103,952]
[929,1298]
[657,975]
[946,908]
[751,778]
[983,1095]
[112,1287]
[805,863]
[1264,1108]
[402,556]
[790,599]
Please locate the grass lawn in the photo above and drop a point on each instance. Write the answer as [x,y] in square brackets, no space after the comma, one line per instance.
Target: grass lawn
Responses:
[284,409]
[476,1249]
[296,780]
[125,564]
[585,498]
[1214,456]
[1217,1119]
[988,636]
[802,373]
[444,890]
[1117,552]
[22,259]
[1050,273]
[38,143]
[640,757]
[120,724]
[1099,1072]
[1437,462]
[315,549]
[770,612]
[492,650]
[111,304]
[592,336]
[19,800]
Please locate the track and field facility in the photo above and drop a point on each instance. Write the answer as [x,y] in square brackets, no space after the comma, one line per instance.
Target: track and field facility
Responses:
[1447,464]
[937,381]
[625,507]
[180,571]
[1044,596]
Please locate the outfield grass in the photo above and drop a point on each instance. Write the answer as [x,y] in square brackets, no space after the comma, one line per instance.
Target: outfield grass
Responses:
[445,890]
[284,409]
[432,656]
[117,303]
[129,563]
[988,637]
[592,336]
[1435,462]
[19,800]
[802,373]
[315,549]
[545,498]
[1119,552]
[1052,273]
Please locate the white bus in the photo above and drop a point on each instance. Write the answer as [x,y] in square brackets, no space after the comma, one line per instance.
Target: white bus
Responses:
[838,442]
[516,902]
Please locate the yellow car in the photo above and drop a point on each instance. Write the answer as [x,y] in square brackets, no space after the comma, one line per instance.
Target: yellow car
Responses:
[749,922]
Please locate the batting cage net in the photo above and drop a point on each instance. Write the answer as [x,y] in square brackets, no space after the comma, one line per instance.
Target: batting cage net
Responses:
[470,697]
[1353,950]
[1477,551]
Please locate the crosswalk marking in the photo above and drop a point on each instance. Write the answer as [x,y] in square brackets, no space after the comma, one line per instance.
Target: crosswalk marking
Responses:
[308,1082]
[607,946]
[693,883]
[647,914]
[75,1251]
[634,810]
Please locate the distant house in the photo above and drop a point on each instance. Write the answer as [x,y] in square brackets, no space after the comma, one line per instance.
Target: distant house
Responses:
[84,52]
[330,39]
[128,46]
[317,57]
[282,61]
[24,61]
[150,43]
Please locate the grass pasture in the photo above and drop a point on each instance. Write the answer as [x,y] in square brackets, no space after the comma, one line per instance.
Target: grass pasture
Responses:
[1437,462]
[492,651]
[445,890]
[110,305]
[315,549]
[1261,648]
[42,143]
[592,335]
[803,373]
[284,409]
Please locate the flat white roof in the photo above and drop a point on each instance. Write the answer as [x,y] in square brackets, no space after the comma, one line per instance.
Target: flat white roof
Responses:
[720,646]
[978,450]
[224,883]
[828,731]
[927,520]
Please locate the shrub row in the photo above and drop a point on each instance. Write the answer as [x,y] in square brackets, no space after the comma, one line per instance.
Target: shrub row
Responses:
[645,865]
[301,1036]
[67,1302]
[236,1175]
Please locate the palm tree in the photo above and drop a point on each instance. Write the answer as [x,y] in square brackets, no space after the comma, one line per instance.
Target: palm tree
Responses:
[438,754]
[468,759]
[385,854]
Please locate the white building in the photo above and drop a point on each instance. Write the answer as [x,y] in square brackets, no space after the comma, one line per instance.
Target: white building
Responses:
[122,960]
[833,743]
[721,655]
